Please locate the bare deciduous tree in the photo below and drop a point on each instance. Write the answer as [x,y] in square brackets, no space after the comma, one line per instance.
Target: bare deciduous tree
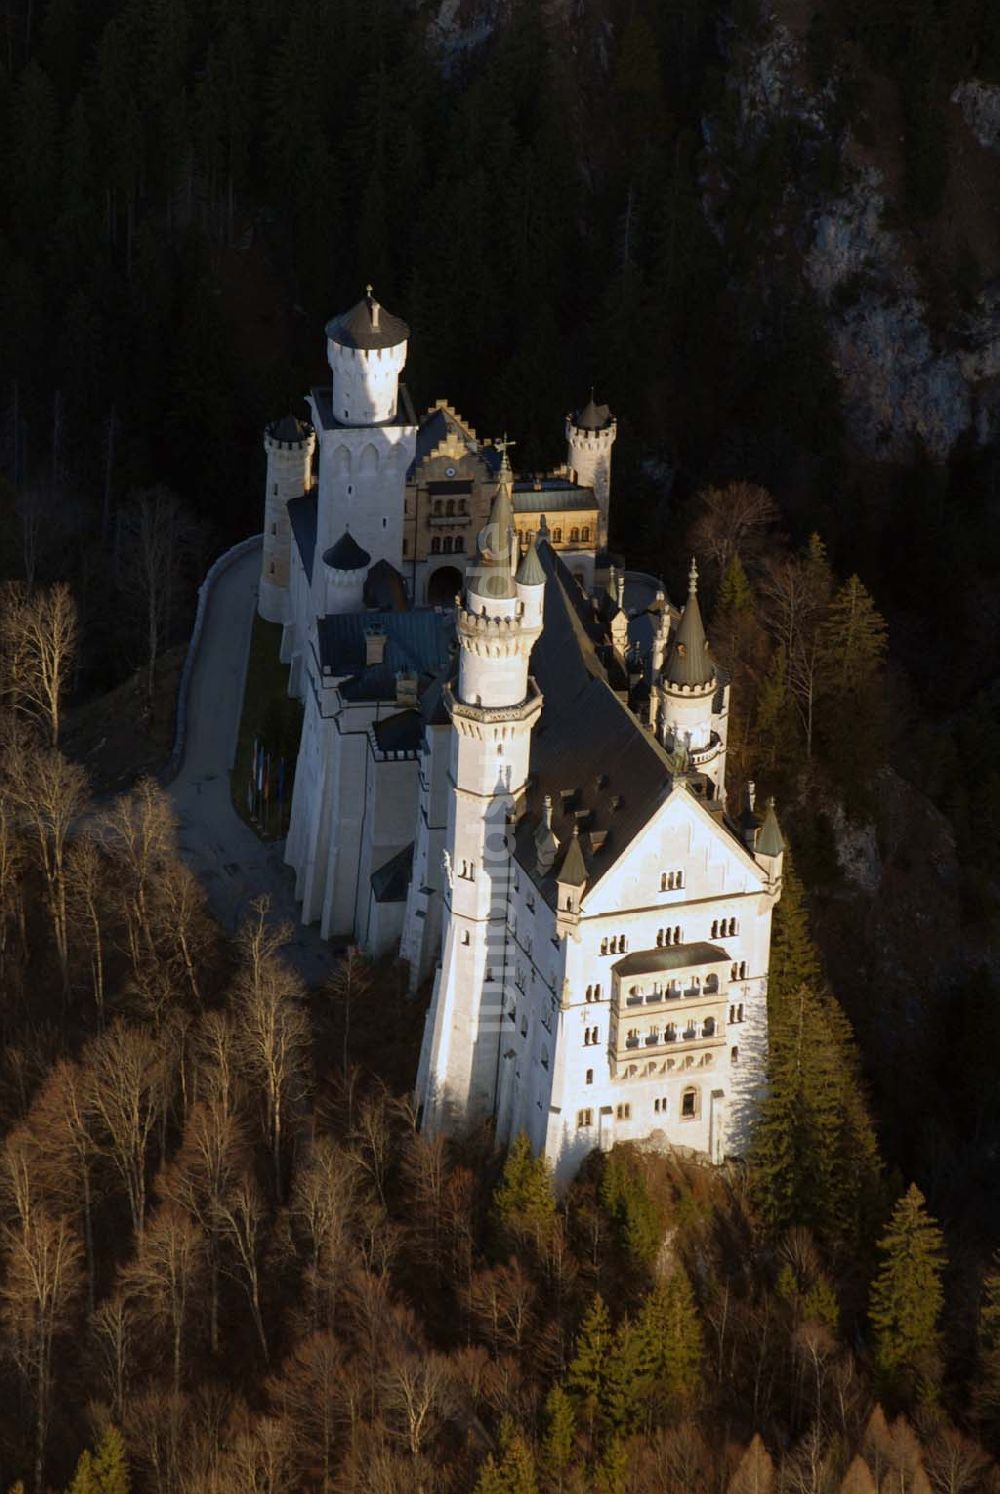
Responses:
[48,793]
[416,1395]
[39,1295]
[86,883]
[322,1201]
[310,1395]
[242,1222]
[157,541]
[167,1275]
[65,1164]
[732,521]
[272,1027]
[39,636]
[140,831]
[126,1068]
[111,1332]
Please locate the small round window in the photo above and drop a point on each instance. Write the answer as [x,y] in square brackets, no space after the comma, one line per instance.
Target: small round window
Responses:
[449,472]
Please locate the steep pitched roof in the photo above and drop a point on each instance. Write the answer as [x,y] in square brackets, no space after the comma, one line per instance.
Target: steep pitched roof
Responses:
[302,517]
[573,871]
[391,881]
[689,661]
[290,430]
[530,572]
[367,326]
[491,575]
[770,841]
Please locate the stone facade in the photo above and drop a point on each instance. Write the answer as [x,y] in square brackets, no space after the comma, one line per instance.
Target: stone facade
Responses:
[515,777]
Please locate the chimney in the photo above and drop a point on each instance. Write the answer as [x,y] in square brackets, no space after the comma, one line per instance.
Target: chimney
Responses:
[375,641]
[406,688]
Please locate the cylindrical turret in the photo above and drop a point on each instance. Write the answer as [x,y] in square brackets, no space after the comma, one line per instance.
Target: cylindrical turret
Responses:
[289,444]
[590,435]
[689,678]
[345,567]
[366,349]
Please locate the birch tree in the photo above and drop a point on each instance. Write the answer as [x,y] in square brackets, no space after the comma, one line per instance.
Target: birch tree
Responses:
[40,634]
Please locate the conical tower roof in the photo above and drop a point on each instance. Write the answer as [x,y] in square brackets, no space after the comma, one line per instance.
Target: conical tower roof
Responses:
[494,577]
[770,841]
[573,871]
[367,326]
[689,661]
[347,555]
[593,417]
[530,572]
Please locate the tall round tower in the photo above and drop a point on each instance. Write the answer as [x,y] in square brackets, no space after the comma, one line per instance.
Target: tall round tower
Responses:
[686,692]
[590,435]
[366,349]
[289,444]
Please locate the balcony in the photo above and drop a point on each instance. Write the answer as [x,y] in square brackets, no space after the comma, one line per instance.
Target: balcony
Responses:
[441,521]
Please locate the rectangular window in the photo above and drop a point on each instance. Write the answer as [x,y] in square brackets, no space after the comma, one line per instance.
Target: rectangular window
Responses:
[590,1076]
[624,1112]
[584,1118]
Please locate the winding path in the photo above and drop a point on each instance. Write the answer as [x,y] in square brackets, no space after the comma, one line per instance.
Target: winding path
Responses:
[231,863]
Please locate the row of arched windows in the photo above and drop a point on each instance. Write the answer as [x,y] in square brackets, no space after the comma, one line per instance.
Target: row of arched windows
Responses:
[447,545]
[618,944]
[723,927]
[448,507]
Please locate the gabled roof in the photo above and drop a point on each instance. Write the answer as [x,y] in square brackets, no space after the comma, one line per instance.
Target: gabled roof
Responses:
[346,555]
[385,588]
[302,517]
[689,661]
[367,326]
[391,882]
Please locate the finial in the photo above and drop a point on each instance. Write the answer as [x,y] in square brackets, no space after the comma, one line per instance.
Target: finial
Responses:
[503,446]
[693,578]
[368,291]
[770,801]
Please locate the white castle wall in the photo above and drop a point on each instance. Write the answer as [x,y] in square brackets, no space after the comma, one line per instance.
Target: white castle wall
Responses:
[289,473]
[365,383]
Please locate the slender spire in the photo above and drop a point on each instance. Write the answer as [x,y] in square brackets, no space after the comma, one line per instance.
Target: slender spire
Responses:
[573,871]
[690,662]
[770,841]
[494,575]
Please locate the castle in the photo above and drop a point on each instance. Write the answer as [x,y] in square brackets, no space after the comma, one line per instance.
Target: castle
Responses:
[512,769]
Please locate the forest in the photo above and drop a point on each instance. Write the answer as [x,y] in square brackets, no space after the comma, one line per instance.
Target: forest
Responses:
[228,1259]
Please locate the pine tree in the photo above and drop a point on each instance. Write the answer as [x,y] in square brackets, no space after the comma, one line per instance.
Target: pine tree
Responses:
[814,1152]
[560,1437]
[854,639]
[669,1347]
[735,594]
[612,1474]
[626,1196]
[111,1464]
[858,1478]
[586,1378]
[907,1295]
[85,1479]
[514,1473]
[524,1201]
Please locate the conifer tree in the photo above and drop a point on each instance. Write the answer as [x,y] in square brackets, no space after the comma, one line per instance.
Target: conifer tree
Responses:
[524,1201]
[907,1296]
[669,1347]
[558,1444]
[734,593]
[612,1474]
[111,1464]
[626,1196]
[587,1375]
[854,639]
[85,1479]
[514,1471]
[987,1384]
[814,1152]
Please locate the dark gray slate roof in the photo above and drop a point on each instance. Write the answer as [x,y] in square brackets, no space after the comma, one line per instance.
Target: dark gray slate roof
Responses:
[416,641]
[385,588]
[302,516]
[390,882]
[346,555]
[367,326]
[677,957]
[592,417]
[554,496]
[587,740]
[689,661]
[289,429]
[400,733]
[573,870]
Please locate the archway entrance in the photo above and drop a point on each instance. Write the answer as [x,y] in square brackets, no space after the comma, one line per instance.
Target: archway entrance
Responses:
[444,586]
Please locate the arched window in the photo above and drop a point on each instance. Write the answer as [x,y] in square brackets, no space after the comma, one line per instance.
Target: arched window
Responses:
[459,544]
[574,536]
[437,505]
[677,935]
[585,533]
[557,536]
[715,929]
[590,1077]
[604,950]
[734,1057]
[449,507]
[708,1028]
[446,545]
[435,546]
